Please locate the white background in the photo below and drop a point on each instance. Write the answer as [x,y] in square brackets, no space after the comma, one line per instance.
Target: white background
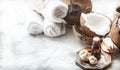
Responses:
[21,51]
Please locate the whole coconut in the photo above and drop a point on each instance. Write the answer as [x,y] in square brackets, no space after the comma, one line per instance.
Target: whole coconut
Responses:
[85,5]
[115,31]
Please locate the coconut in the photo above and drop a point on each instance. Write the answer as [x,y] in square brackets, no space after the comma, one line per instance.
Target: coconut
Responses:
[85,5]
[115,30]
[93,60]
[84,55]
[93,24]
[96,25]
[117,10]
[73,15]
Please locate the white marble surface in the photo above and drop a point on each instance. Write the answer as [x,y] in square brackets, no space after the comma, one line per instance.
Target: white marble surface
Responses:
[21,51]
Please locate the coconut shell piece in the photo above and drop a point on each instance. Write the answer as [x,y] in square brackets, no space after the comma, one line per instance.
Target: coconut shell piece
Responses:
[115,31]
[85,5]
[118,10]
[73,15]
[102,64]
[84,55]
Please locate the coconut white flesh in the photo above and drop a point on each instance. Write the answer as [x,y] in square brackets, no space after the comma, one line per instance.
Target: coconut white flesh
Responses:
[119,23]
[93,60]
[84,55]
[97,23]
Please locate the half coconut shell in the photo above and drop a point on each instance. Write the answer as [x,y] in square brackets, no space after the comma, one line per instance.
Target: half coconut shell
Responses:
[96,25]
[86,34]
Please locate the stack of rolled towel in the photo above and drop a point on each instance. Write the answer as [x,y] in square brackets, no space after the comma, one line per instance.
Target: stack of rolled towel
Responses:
[35,23]
[50,20]
[52,29]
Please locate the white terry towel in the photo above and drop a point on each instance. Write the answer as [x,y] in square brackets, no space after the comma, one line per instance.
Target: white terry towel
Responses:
[35,28]
[35,23]
[54,10]
[52,29]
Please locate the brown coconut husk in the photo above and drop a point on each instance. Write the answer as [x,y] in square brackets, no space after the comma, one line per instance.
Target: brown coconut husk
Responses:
[76,7]
[81,35]
[118,9]
[73,15]
[115,31]
[85,5]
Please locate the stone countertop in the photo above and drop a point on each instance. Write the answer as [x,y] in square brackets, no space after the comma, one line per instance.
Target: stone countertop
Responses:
[21,51]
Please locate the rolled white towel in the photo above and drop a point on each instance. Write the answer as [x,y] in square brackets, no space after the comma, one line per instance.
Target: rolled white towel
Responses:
[35,28]
[52,29]
[54,10]
[34,23]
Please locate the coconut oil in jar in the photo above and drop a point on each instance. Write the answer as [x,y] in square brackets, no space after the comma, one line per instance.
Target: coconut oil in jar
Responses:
[96,47]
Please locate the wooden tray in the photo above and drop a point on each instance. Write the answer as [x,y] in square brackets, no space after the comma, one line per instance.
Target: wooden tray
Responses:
[103,63]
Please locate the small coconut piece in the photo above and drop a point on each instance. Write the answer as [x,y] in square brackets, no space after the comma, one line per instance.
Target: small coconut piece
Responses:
[95,25]
[107,45]
[93,60]
[84,55]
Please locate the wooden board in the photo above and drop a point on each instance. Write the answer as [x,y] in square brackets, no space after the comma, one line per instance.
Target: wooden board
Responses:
[103,63]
